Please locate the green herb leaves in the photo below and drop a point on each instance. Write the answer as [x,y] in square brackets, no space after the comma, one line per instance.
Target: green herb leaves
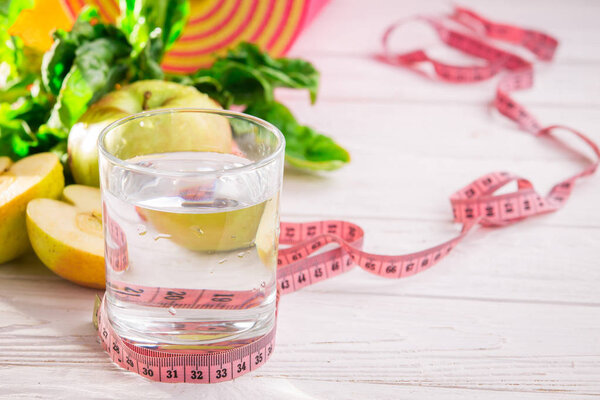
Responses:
[24,104]
[95,72]
[41,99]
[305,148]
[82,66]
[151,27]
[21,124]
[247,76]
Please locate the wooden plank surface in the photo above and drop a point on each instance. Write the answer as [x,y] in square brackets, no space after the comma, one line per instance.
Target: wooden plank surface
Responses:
[512,313]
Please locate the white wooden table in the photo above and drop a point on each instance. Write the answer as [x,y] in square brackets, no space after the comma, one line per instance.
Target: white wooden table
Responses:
[512,313]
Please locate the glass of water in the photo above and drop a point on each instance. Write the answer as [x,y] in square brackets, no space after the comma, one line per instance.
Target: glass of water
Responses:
[191,226]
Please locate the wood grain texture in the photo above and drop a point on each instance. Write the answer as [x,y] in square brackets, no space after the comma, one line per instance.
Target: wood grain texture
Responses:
[512,313]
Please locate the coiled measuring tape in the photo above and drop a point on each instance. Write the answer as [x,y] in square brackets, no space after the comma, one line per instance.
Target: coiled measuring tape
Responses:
[474,204]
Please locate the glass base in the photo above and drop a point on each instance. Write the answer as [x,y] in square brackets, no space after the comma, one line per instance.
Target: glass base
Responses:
[187,329]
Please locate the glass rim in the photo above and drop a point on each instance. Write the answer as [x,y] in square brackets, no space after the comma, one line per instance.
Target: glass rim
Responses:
[226,113]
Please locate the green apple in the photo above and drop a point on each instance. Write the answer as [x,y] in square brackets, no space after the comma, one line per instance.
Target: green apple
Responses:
[68,238]
[159,134]
[40,175]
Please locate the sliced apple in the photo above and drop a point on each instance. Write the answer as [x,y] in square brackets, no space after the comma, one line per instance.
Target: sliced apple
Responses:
[267,238]
[85,198]
[222,231]
[5,164]
[40,175]
[68,238]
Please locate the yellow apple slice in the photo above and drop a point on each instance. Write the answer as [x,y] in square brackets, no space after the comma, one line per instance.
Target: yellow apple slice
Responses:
[40,175]
[86,198]
[68,238]
[5,164]
[222,231]
[267,239]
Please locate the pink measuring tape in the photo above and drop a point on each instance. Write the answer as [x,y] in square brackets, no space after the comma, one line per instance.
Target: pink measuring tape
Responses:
[474,204]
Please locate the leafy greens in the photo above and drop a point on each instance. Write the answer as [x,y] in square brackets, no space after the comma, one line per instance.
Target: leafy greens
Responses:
[41,99]
[246,76]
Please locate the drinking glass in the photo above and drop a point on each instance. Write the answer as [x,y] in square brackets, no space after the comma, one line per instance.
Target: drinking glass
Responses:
[191,226]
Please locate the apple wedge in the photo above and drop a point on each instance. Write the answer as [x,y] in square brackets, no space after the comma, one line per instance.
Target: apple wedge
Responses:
[86,198]
[223,231]
[68,238]
[5,164]
[40,175]
[267,240]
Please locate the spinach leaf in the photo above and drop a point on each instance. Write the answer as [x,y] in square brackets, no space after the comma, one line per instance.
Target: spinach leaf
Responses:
[22,129]
[147,63]
[239,83]
[57,62]
[16,88]
[281,72]
[305,147]
[151,27]
[139,18]
[246,76]
[98,66]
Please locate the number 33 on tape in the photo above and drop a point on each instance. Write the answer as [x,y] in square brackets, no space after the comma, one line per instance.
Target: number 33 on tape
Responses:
[298,266]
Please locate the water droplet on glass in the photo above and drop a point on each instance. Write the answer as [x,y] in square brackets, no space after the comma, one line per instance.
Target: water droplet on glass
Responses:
[263,284]
[222,261]
[242,254]
[141,230]
[197,230]
[172,310]
[162,236]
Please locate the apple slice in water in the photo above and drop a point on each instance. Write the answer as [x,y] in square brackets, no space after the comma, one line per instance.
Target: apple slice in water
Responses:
[68,238]
[266,238]
[40,175]
[219,231]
